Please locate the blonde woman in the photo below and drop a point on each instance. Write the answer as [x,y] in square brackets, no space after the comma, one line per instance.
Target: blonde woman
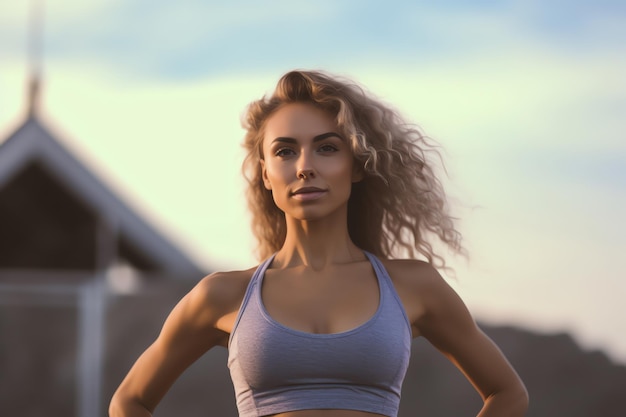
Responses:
[339,186]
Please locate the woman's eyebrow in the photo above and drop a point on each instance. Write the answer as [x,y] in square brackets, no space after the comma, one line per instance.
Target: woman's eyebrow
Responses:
[285,139]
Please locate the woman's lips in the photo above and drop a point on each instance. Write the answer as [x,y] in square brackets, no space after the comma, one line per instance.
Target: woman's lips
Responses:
[308,193]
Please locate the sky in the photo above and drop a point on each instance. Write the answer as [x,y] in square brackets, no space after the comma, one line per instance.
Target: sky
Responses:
[526,98]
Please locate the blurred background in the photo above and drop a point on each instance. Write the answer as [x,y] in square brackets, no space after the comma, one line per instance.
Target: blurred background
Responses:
[120,182]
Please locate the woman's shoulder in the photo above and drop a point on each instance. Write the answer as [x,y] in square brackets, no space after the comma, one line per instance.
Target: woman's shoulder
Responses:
[416,278]
[224,287]
[413,273]
[217,295]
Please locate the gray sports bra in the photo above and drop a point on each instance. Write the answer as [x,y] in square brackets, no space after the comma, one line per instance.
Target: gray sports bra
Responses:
[276,369]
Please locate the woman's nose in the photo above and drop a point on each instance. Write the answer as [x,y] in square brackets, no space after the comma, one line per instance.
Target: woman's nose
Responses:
[305,169]
[305,174]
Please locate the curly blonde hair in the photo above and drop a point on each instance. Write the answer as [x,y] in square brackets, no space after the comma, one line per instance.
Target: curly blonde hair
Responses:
[400,202]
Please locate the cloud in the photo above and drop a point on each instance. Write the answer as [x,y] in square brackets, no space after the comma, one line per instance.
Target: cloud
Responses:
[525,98]
[174,39]
[193,38]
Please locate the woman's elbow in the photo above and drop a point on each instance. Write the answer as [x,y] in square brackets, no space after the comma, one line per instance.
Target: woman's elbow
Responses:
[124,406]
[519,400]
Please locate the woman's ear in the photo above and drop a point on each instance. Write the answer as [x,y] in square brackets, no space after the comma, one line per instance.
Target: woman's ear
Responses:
[266,180]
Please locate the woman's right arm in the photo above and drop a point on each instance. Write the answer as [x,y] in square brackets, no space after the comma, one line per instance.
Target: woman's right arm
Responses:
[192,328]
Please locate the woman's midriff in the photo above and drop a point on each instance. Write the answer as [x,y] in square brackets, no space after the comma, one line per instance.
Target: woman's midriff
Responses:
[327,413]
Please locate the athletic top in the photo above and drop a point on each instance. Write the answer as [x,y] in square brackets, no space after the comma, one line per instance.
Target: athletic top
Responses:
[276,369]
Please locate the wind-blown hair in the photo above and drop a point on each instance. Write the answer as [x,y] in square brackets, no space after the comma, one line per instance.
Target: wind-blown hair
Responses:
[398,206]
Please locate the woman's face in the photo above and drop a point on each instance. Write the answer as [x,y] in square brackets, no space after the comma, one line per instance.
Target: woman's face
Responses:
[307,165]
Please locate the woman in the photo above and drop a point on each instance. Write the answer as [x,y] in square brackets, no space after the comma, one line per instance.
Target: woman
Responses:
[338,185]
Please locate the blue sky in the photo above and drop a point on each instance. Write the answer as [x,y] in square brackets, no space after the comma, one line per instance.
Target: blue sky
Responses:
[528,99]
[193,38]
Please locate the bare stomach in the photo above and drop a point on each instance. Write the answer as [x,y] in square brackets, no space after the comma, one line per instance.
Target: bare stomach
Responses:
[327,413]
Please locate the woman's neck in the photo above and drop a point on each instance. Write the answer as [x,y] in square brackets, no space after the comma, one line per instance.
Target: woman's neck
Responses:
[316,244]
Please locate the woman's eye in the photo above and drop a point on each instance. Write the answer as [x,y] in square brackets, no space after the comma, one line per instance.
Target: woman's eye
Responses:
[327,148]
[284,152]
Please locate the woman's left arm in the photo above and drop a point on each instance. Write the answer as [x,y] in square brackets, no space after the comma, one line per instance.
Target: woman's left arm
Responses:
[444,320]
